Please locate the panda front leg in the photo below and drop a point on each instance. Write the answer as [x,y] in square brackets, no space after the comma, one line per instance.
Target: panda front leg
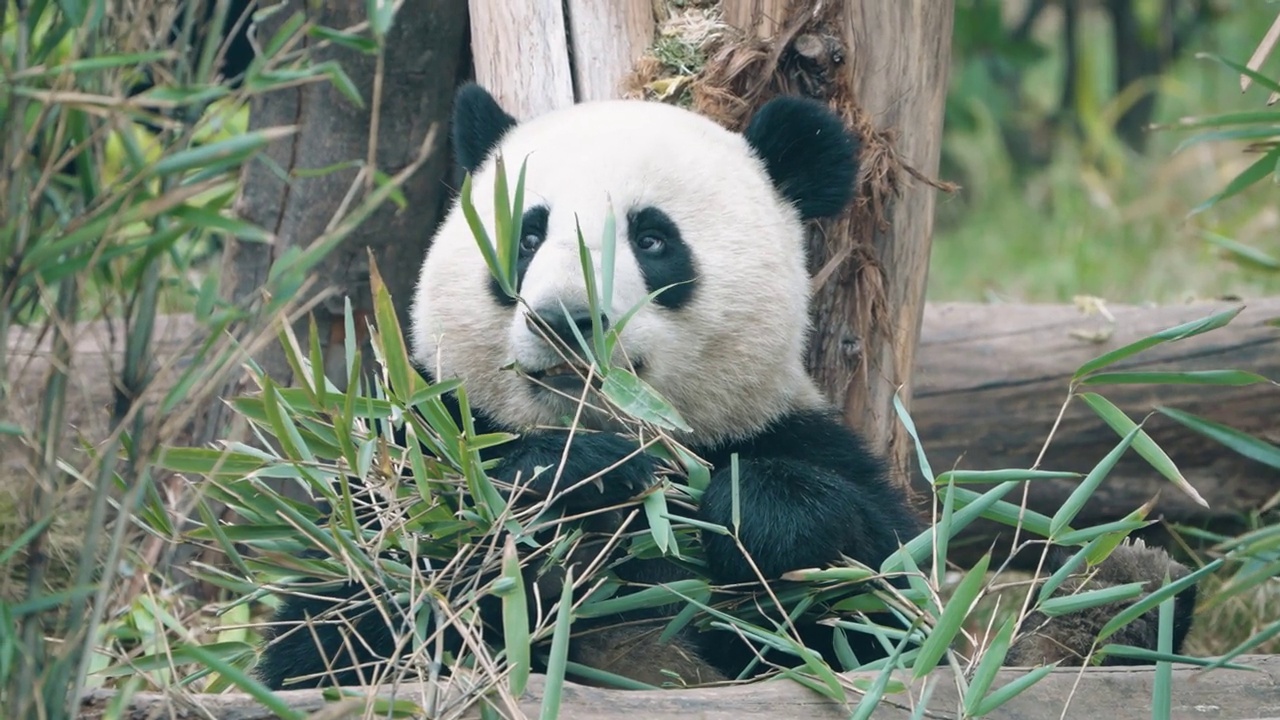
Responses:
[808,492]
[599,470]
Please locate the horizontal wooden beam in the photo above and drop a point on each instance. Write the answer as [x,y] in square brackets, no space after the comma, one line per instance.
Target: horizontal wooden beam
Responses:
[1118,693]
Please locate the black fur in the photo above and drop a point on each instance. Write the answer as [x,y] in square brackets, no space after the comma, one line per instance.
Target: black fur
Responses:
[808,153]
[814,490]
[669,263]
[478,125]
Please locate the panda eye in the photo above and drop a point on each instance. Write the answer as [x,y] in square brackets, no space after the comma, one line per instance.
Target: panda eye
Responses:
[530,242]
[651,242]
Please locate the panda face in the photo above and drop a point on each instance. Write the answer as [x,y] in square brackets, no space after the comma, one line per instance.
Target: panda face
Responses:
[697,211]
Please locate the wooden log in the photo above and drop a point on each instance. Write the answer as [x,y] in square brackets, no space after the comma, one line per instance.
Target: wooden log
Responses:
[991,380]
[1116,693]
[608,37]
[521,54]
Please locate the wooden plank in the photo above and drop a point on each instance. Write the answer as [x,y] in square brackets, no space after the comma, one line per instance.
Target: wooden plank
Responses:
[991,379]
[1116,693]
[521,54]
[608,37]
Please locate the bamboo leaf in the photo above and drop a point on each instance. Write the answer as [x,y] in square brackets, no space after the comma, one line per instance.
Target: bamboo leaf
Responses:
[1142,443]
[1173,334]
[953,615]
[1075,502]
[515,619]
[1251,447]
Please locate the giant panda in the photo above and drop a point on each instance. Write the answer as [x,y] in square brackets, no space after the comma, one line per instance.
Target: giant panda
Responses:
[713,222]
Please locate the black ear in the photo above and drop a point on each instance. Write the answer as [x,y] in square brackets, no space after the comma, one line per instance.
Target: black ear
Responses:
[478,124]
[808,152]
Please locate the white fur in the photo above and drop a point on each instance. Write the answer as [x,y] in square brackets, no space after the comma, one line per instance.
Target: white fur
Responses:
[729,361]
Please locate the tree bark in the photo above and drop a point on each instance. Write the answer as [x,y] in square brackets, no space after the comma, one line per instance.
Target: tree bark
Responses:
[885,65]
[578,50]
[423,56]
[1117,693]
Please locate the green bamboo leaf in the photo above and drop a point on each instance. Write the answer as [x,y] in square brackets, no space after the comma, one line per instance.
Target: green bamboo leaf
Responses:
[515,619]
[990,664]
[1150,657]
[871,700]
[556,662]
[179,654]
[244,681]
[1120,528]
[405,381]
[236,148]
[382,14]
[1260,169]
[964,477]
[636,398]
[1142,443]
[208,461]
[905,418]
[1251,447]
[651,597]
[1162,689]
[487,249]
[351,41]
[1075,602]
[340,80]
[1244,254]
[655,510]
[975,506]
[834,574]
[1012,690]
[1173,334]
[507,244]
[1075,502]
[1256,76]
[1232,378]
[1236,134]
[953,615]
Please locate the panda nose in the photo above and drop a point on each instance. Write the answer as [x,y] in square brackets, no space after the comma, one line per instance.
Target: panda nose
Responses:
[562,323]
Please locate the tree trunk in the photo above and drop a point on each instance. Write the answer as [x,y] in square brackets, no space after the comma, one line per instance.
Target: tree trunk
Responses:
[424,52]
[525,59]
[423,55]
[884,65]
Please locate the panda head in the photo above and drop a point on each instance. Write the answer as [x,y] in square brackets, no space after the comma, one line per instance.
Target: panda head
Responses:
[715,214]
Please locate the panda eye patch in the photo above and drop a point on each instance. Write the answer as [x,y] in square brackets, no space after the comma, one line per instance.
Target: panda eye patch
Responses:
[663,256]
[533,229]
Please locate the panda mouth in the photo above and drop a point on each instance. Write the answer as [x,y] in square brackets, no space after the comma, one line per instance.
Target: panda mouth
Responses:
[568,377]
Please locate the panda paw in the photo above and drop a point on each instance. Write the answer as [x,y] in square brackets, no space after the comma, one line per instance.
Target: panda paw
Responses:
[629,471]
[1068,639]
